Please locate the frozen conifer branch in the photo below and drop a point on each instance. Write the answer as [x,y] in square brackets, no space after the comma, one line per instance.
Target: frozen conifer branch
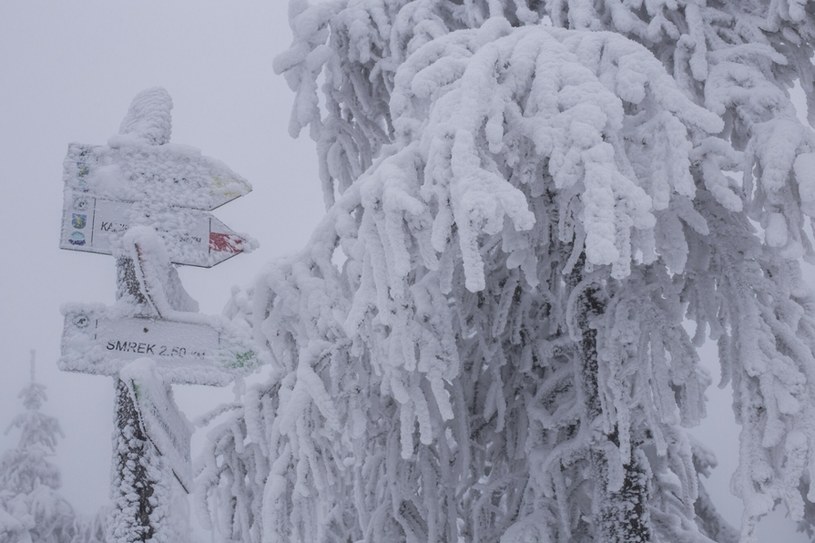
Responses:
[484,338]
[739,59]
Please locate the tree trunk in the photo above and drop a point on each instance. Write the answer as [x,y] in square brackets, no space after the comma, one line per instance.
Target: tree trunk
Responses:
[621,516]
[135,458]
[133,486]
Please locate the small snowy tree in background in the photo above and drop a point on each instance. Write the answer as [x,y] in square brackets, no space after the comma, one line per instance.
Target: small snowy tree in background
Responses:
[527,202]
[93,529]
[31,508]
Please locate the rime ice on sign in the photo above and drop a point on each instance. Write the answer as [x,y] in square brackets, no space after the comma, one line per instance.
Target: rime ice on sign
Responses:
[149,118]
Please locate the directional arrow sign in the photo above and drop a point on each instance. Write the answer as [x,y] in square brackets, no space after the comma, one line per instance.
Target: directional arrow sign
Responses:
[206,351]
[174,175]
[166,427]
[192,237]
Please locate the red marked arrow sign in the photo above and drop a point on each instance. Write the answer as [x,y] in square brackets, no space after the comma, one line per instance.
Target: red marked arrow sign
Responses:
[192,237]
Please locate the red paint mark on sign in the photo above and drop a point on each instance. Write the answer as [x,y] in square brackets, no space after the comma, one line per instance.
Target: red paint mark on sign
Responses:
[227,243]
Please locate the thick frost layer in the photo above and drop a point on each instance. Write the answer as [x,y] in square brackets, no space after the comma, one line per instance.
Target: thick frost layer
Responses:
[149,118]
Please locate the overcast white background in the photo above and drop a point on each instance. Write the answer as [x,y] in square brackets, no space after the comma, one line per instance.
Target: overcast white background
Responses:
[68,71]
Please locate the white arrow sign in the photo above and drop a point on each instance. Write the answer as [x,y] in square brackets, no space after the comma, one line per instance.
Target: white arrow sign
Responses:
[172,175]
[100,340]
[192,237]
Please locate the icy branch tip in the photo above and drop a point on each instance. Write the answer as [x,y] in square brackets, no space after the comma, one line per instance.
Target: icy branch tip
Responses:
[149,118]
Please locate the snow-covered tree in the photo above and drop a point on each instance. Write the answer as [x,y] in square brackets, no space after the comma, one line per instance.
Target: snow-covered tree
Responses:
[31,508]
[528,201]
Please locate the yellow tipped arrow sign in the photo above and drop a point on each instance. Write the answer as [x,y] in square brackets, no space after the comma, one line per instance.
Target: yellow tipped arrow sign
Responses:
[170,174]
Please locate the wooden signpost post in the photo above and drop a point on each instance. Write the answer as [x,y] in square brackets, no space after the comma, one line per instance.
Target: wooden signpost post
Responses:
[146,202]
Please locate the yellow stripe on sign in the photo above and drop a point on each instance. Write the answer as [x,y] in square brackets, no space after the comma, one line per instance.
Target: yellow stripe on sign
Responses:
[219,183]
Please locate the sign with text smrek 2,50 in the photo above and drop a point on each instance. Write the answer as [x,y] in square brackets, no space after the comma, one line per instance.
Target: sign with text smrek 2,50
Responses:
[95,340]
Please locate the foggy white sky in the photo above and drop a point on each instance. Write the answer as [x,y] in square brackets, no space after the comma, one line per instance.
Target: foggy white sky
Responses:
[68,71]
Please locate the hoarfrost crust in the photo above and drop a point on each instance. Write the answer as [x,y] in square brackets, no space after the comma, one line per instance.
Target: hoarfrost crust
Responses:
[149,118]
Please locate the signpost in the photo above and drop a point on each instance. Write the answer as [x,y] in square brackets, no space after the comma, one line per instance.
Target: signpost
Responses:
[146,202]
